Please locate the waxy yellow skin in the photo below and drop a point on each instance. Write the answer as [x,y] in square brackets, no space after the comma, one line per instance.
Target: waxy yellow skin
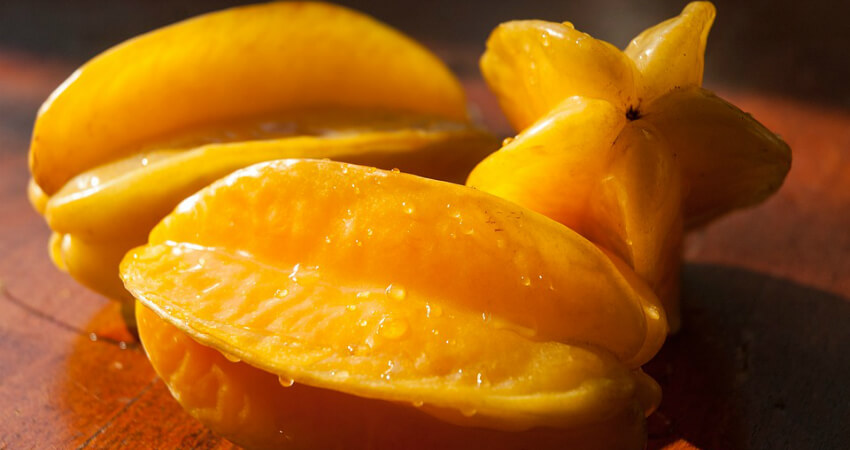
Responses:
[230,65]
[393,287]
[149,122]
[624,147]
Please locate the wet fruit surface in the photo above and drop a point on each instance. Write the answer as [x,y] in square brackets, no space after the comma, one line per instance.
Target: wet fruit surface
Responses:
[389,286]
[625,147]
[258,409]
[163,119]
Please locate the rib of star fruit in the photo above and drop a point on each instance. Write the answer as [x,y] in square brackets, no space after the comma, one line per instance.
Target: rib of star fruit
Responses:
[149,122]
[395,287]
[258,409]
[611,180]
[728,159]
[624,146]
[236,64]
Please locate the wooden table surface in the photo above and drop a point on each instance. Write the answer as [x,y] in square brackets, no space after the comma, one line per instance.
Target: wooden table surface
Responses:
[763,360]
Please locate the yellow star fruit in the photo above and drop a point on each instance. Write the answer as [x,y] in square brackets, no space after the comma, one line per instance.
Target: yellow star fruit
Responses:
[624,147]
[365,288]
[152,120]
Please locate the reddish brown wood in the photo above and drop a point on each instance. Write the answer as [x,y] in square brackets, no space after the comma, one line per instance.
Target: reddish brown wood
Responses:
[761,362]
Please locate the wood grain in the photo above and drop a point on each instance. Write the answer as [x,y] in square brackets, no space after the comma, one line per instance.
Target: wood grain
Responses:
[762,361]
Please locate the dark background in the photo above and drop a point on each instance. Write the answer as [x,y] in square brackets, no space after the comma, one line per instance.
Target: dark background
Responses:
[787,48]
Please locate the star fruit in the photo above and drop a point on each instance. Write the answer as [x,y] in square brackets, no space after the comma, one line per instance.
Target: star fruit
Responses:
[624,147]
[147,123]
[396,311]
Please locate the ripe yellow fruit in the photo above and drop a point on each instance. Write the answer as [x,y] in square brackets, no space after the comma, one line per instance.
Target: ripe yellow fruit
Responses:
[624,147]
[147,123]
[392,287]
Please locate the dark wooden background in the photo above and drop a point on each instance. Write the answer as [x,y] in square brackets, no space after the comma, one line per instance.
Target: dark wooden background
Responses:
[763,360]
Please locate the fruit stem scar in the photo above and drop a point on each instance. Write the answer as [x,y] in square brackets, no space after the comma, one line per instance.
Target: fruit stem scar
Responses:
[632,113]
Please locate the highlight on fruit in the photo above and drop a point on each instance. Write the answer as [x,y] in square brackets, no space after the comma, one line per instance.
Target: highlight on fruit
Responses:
[147,123]
[624,147]
[279,188]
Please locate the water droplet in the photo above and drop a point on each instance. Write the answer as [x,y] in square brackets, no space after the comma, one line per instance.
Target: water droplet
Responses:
[230,357]
[395,170]
[342,375]
[363,294]
[479,379]
[433,311]
[468,411]
[144,162]
[122,345]
[358,243]
[408,209]
[507,141]
[501,243]
[393,328]
[327,239]
[92,337]
[653,313]
[351,307]
[285,381]
[363,323]
[524,280]
[368,231]
[116,365]
[396,292]
[281,293]
[417,403]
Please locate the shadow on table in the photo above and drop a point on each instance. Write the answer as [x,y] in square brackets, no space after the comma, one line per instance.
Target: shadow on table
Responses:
[760,363]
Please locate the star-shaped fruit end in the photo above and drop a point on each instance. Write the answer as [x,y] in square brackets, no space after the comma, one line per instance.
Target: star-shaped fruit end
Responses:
[625,147]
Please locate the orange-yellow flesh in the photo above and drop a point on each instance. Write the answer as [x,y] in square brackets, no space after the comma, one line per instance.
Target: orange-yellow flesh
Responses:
[137,191]
[729,160]
[533,66]
[670,55]
[463,248]
[229,65]
[253,409]
[613,181]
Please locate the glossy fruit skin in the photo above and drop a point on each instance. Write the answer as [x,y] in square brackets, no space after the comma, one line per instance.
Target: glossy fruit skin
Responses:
[637,152]
[251,408]
[281,56]
[111,146]
[349,227]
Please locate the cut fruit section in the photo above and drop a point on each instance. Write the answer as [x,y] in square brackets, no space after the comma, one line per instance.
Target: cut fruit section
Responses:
[257,409]
[230,65]
[366,229]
